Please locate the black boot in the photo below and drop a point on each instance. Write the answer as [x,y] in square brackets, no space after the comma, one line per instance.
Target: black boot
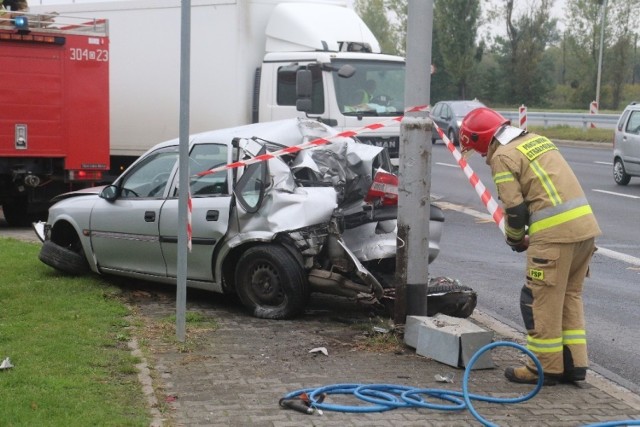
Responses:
[571,373]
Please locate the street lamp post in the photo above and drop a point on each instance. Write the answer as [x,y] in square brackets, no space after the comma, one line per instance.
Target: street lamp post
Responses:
[603,13]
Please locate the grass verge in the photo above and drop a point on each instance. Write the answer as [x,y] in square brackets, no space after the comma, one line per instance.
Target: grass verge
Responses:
[573,133]
[64,337]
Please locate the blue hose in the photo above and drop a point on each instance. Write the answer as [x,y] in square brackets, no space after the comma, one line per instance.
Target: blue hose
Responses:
[384,397]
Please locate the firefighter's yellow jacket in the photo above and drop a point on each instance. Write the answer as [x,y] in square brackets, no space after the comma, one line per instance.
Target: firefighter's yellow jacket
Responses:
[540,193]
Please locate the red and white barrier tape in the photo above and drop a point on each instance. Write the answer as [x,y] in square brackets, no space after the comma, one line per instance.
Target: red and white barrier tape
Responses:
[315,143]
[489,202]
[485,196]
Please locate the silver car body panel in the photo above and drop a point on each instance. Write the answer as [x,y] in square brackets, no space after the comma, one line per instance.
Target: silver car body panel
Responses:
[627,140]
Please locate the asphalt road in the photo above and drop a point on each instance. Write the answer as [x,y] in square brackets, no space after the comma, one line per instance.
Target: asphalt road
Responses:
[472,250]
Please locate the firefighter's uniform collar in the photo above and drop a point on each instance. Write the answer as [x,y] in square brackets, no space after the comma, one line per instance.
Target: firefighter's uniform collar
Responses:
[507,133]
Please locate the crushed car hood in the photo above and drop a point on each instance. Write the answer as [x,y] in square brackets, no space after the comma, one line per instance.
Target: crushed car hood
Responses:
[307,188]
[91,191]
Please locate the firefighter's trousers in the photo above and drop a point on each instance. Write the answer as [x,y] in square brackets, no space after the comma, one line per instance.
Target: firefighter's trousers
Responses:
[551,304]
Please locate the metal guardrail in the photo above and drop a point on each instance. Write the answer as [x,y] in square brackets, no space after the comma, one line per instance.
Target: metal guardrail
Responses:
[605,121]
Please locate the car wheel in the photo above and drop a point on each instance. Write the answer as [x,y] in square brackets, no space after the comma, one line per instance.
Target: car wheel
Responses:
[271,283]
[444,295]
[63,259]
[619,174]
[450,298]
[452,137]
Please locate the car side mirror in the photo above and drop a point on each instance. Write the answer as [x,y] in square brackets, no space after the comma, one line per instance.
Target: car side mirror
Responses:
[110,193]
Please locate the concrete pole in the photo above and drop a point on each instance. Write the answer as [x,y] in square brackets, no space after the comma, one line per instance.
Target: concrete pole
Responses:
[412,264]
[185,83]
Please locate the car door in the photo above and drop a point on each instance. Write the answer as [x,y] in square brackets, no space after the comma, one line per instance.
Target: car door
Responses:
[211,204]
[630,144]
[124,231]
[440,116]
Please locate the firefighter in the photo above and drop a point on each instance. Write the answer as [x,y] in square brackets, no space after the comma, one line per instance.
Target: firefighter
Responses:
[548,216]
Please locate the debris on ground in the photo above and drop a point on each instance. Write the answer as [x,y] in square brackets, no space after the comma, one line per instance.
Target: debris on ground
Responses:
[6,364]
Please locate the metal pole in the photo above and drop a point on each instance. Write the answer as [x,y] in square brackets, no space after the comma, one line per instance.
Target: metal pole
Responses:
[412,264]
[185,69]
[603,13]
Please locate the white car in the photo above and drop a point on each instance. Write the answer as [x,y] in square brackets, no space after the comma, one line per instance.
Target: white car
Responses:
[626,145]
[321,219]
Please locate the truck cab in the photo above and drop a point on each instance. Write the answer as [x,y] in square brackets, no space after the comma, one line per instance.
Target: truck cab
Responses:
[338,98]
[353,83]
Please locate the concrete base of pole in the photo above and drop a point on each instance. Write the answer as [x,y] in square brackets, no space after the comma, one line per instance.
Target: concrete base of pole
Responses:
[416,299]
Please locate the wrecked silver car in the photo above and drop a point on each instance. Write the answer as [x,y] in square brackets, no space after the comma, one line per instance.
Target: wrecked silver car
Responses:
[321,219]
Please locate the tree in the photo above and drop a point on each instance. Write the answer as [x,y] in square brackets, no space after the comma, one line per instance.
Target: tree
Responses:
[623,15]
[374,14]
[398,11]
[526,76]
[456,24]
[583,44]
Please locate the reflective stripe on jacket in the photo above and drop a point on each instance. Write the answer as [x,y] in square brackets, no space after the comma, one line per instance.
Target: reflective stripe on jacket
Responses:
[531,170]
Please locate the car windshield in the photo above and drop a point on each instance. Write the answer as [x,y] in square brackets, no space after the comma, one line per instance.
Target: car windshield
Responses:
[461,109]
[376,88]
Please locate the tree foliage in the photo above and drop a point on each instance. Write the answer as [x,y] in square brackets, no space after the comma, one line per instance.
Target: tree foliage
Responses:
[508,52]
[456,24]
[373,13]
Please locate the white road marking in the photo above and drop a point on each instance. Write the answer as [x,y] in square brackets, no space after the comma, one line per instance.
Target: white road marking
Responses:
[447,164]
[486,217]
[616,194]
[604,163]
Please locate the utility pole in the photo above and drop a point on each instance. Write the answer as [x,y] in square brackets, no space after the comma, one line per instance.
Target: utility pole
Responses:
[412,265]
[603,13]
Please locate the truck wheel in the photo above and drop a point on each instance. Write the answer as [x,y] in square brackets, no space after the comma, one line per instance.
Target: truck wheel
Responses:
[15,213]
[271,282]
[619,174]
[63,259]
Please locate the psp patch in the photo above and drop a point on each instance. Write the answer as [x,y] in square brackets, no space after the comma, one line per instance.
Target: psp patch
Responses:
[536,274]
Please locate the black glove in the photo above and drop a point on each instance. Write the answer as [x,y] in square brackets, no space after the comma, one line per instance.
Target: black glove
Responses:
[520,246]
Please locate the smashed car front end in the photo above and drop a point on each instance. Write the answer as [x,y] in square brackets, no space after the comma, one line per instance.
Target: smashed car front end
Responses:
[319,203]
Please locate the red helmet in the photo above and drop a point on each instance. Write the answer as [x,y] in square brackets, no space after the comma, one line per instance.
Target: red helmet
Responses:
[478,127]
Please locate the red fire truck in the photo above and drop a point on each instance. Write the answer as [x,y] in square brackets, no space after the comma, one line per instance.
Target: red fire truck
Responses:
[54,110]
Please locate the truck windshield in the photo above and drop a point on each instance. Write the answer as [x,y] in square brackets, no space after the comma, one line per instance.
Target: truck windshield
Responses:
[376,88]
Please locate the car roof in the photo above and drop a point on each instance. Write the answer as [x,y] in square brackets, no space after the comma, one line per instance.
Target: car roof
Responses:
[462,107]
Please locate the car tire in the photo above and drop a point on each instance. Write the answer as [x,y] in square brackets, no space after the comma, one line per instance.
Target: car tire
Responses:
[63,259]
[271,283]
[448,297]
[452,137]
[619,174]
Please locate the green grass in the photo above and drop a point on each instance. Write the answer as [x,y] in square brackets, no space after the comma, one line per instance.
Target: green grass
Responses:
[573,133]
[66,338]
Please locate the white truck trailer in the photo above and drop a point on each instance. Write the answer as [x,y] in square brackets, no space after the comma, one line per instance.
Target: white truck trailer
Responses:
[244,59]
